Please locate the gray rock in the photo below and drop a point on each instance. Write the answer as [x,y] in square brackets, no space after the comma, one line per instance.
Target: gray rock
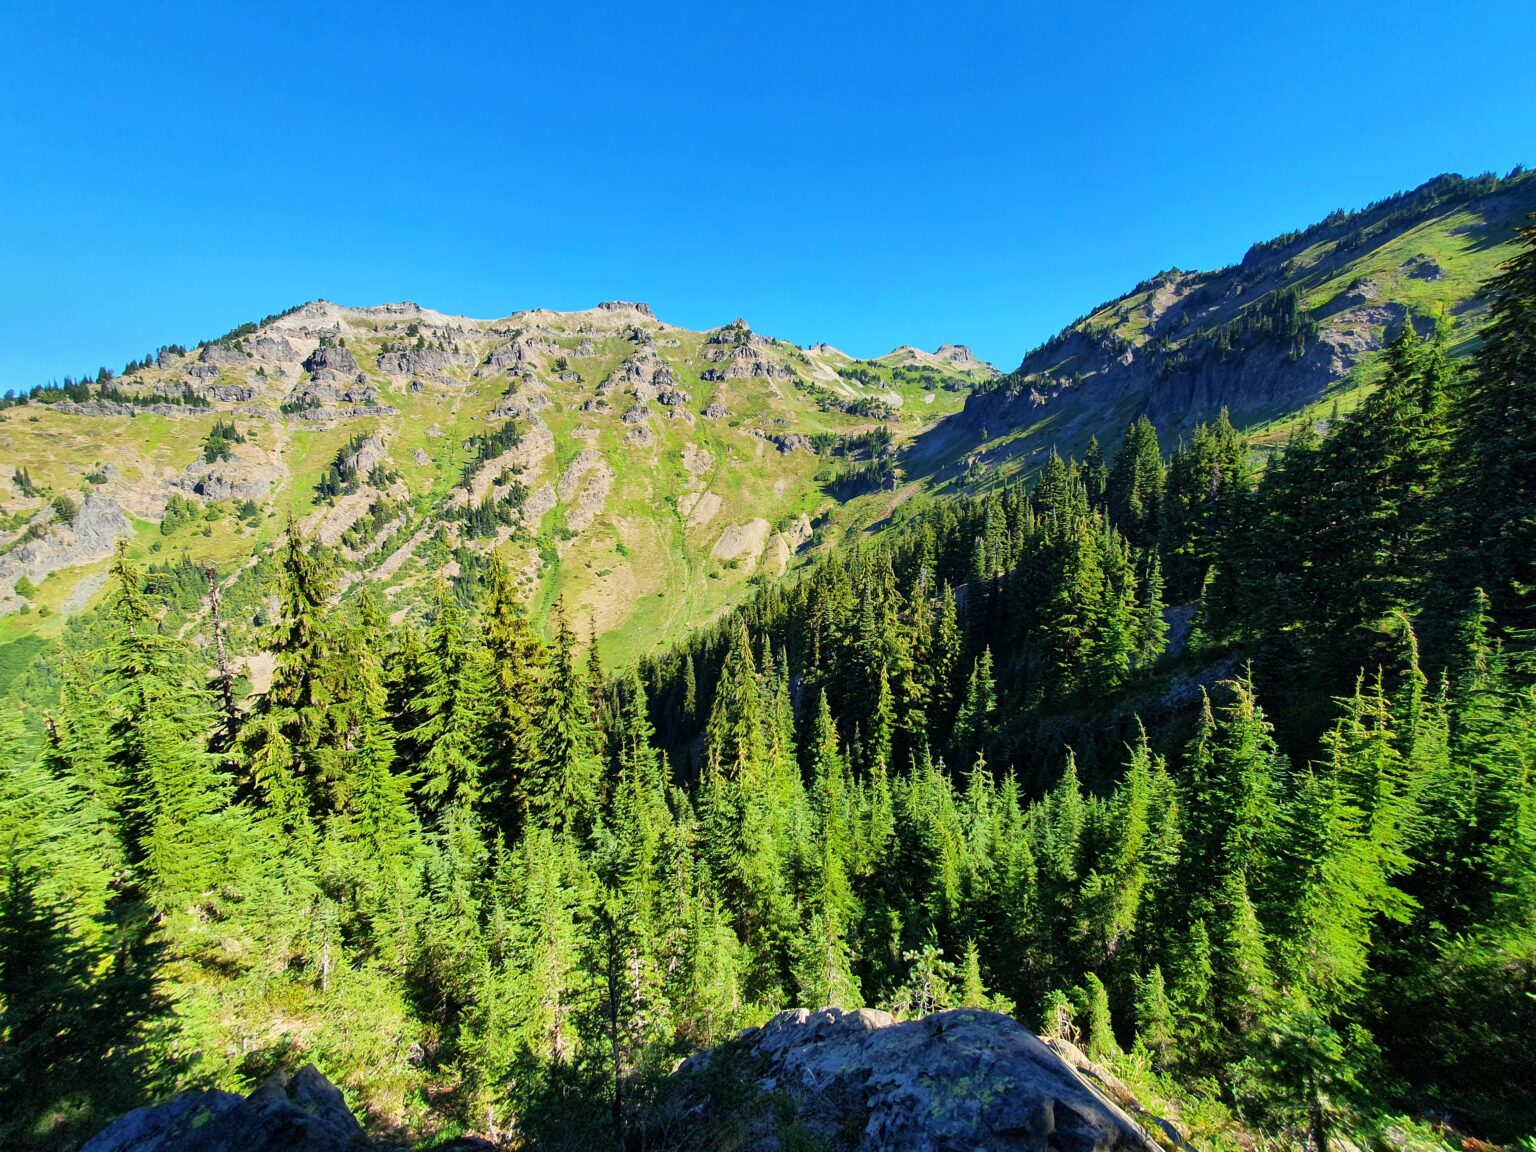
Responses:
[415,362]
[98,524]
[330,361]
[623,305]
[304,1114]
[951,1082]
[956,354]
[213,482]
[273,348]
[369,454]
[222,354]
[229,393]
[789,441]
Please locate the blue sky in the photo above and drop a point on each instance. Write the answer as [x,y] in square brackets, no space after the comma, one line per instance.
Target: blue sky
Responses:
[867,174]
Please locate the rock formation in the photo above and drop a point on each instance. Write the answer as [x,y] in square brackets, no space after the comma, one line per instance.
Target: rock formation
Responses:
[957,1080]
[304,1114]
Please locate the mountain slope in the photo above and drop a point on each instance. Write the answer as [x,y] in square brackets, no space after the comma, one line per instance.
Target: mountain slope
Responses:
[1297,321]
[646,474]
[642,472]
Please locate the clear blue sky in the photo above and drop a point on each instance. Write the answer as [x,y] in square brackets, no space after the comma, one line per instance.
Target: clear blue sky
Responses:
[867,174]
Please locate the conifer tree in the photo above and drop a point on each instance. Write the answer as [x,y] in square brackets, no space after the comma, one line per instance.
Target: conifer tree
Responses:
[1154,1019]
[1134,489]
[518,665]
[1495,541]
[1095,473]
[289,740]
[173,792]
[977,715]
[449,712]
[568,766]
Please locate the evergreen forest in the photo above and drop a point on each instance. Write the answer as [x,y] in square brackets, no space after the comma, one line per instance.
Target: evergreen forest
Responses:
[1222,768]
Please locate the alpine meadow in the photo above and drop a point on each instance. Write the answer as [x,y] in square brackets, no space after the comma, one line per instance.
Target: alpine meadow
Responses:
[578,730]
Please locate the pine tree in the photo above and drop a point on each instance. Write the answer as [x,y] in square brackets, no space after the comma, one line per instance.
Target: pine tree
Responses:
[288,742]
[518,666]
[1154,1020]
[568,766]
[449,712]
[173,792]
[1494,539]
[1098,1030]
[977,714]
[824,972]
[1134,489]
[1095,473]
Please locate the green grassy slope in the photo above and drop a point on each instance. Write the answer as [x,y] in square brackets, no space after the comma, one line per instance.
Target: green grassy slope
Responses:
[1295,326]
[663,470]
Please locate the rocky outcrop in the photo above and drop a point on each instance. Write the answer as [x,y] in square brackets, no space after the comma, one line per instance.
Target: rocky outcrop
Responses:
[98,524]
[627,306]
[221,481]
[304,1114]
[955,1081]
[951,1082]
[787,441]
[227,393]
[222,354]
[645,376]
[415,362]
[117,408]
[331,362]
[273,348]
[957,354]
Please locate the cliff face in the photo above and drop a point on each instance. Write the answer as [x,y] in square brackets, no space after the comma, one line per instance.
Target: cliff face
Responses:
[1298,318]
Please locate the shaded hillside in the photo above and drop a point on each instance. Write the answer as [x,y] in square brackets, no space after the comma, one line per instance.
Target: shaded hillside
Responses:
[1297,321]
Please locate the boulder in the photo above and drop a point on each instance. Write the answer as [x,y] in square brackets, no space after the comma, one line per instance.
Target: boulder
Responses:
[951,1082]
[305,1113]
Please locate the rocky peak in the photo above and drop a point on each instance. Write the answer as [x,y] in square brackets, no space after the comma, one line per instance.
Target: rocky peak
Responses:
[955,354]
[627,306]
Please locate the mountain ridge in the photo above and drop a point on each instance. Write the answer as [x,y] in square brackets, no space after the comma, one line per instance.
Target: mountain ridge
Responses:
[646,474]
[1298,320]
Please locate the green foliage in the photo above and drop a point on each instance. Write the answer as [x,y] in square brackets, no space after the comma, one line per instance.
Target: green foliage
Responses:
[914,779]
[219,443]
[179,511]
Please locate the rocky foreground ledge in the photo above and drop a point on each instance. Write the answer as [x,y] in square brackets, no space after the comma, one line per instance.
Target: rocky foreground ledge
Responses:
[300,1113]
[955,1081]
